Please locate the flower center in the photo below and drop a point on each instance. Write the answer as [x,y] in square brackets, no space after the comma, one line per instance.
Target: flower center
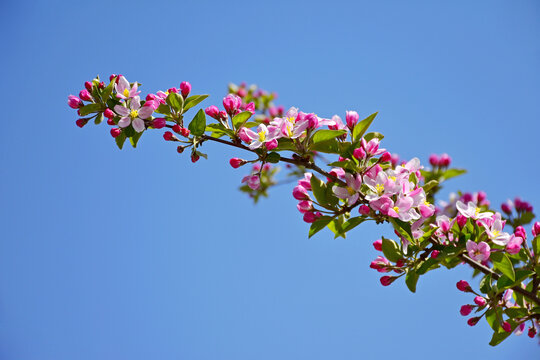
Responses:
[350,190]
[133,114]
[396,209]
[126,93]
[262,136]
[496,233]
[393,178]
[380,188]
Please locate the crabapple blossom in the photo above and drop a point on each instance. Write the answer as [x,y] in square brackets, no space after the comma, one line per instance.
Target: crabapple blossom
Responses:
[134,115]
[351,118]
[479,252]
[472,211]
[124,90]
[351,192]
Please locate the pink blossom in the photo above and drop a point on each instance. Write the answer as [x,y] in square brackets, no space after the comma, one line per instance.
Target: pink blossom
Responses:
[351,118]
[232,104]
[134,115]
[494,227]
[185,88]
[74,102]
[514,244]
[337,124]
[479,252]
[350,193]
[380,264]
[124,90]
[300,193]
[472,211]
[444,223]
[304,206]
[306,181]
[253,181]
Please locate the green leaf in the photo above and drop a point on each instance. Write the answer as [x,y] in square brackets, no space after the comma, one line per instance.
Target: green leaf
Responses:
[499,337]
[430,185]
[176,101]
[135,139]
[198,124]
[106,94]
[516,312]
[427,265]
[336,226]
[485,284]
[120,139]
[193,101]
[403,228]
[163,109]
[330,146]
[451,173]
[536,245]
[325,135]
[273,157]
[98,119]
[90,108]
[411,279]
[505,282]
[373,135]
[493,316]
[318,187]
[286,144]
[353,222]
[526,218]
[319,224]
[391,250]
[502,262]
[360,128]
[239,119]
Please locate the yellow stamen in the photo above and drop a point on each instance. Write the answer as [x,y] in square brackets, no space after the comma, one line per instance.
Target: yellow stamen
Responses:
[126,92]
[495,233]
[133,114]
[262,136]
[396,209]
[350,190]
[426,203]
[393,178]
[379,188]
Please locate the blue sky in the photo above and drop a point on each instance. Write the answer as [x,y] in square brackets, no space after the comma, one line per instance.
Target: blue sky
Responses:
[139,254]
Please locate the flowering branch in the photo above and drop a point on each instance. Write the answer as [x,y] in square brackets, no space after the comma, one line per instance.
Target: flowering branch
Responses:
[361,175]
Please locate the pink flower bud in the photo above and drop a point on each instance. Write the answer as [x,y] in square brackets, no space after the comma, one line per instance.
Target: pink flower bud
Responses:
[111,122]
[532,332]
[364,210]
[112,77]
[514,245]
[313,121]
[180,149]
[304,206]
[237,162]
[273,111]
[359,153]
[506,326]
[473,321]
[465,310]
[434,160]
[194,158]
[159,123]
[395,159]
[101,85]
[81,122]
[506,208]
[520,231]
[115,132]
[351,118]
[174,90]
[212,111]
[272,144]
[377,244]
[74,102]
[445,160]
[461,221]
[387,280]
[385,157]
[480,301]
[464,286]
[249,107]
[232,103]
[88,85]
[108,113]
[536,229]
[310,217]
[176,128]
[400,263]
[85,95]
[185,132]
[168,136]
[242,92]
[481,196]
[434,254]
[300,193]
[185,88]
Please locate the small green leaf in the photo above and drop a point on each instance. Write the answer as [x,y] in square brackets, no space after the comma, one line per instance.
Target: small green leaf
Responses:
[120,139]
[411,279]
[193,101]
[403,228]
[239,119]
[485,284]
[353,222]
[319,224]
[318,187]
[135,138]
[373,135]
[451,173]
[163,109]
[336,226]
[273,157]
[106,94]
[536,245]
[286,144]
[90,108]
[325,135]
[176,101]
[98,119]
[430,185]
[502,262]
[493,316]
[330,146]
[427,265]
[360,128]
[499,337]
[391,250]
[526,218]
[198,124]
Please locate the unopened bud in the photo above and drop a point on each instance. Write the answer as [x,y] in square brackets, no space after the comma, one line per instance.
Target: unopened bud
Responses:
[180,149]
[359,153]
[176,128]
[434,254]
[364,210]
[387,280]
[74,102]
[88,85]
[506,326]
[237,162]
[445,160]
[194,157]
[465,310]
[385,157]
[532,332]
[185,132]
[473,321]
[159,123]
[110,122]
[81,122]
[185,88]
[461,221]
[351,118]
[168,136]
[108,113]
[377,244]
[115,132]
[434,160]
[480,301]
[536,229]
[462,285]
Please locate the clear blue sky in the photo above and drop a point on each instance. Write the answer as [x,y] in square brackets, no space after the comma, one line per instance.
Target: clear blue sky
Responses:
[139,254]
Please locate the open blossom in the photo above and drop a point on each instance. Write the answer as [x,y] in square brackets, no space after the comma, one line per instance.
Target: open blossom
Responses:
[514,244]
[479,252]
[124,90]
[494,227]
[134,115]
[350,193]
[257,139]
[472,211]
[290,126]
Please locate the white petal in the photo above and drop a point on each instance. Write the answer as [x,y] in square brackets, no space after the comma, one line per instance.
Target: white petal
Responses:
[124,122]
[121,110]
[138,125]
